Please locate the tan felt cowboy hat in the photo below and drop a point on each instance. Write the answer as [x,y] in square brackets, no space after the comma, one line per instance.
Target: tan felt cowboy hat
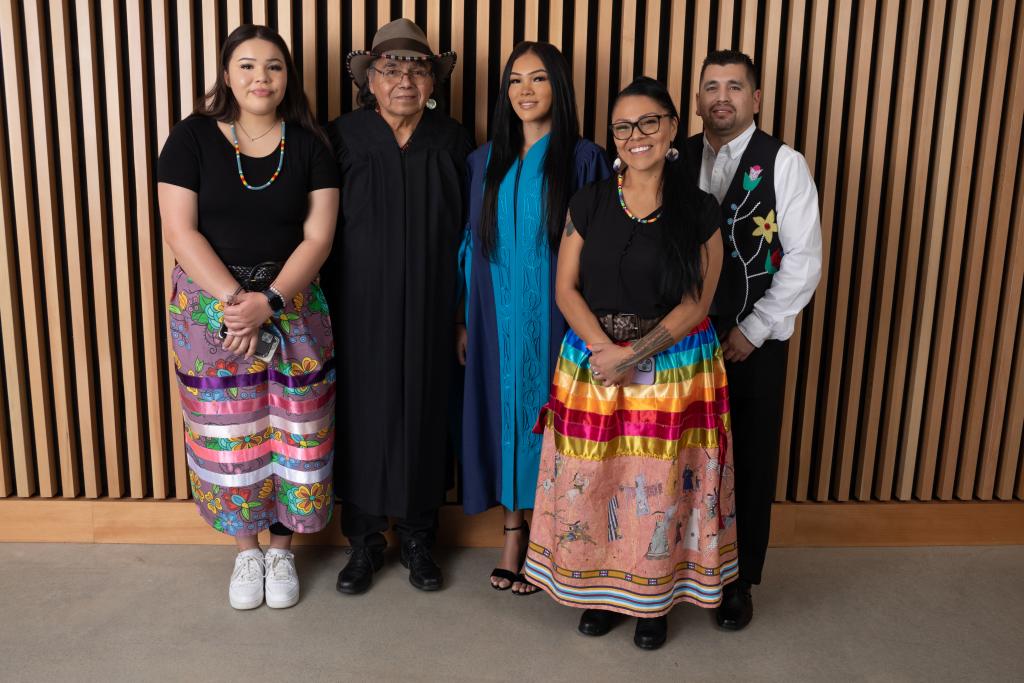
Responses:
[401,40]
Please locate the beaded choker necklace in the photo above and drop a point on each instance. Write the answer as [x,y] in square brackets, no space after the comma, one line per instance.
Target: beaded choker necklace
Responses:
[622,203]
[238,162]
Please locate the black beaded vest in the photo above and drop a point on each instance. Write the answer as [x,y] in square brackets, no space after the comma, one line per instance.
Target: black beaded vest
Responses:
[750,228]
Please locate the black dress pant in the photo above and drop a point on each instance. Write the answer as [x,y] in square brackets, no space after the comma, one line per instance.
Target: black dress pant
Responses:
[755,405]
[367,529]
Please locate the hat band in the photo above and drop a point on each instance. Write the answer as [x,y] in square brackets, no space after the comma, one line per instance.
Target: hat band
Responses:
[411,44]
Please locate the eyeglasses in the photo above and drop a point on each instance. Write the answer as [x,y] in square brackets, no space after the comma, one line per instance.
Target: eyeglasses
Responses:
[393,75]
[648,125]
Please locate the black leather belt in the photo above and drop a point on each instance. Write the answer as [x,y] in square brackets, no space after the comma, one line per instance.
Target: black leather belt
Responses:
[623,327]
[256,278]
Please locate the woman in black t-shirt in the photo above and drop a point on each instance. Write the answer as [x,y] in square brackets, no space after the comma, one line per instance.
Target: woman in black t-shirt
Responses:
[634,509]
[250,223]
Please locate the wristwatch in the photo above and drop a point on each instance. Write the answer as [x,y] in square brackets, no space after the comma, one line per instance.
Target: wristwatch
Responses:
[275,300]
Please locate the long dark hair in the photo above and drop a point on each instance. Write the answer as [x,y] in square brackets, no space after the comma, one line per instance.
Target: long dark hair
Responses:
[680,207]
[507,144]
[219,102]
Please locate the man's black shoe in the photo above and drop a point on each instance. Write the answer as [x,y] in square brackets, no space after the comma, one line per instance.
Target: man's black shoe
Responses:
[423,571]
[650,633]
[737,608]
[357,575]
[596,622]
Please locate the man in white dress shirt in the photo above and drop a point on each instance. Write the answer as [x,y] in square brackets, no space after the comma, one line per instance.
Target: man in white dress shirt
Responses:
[772,233]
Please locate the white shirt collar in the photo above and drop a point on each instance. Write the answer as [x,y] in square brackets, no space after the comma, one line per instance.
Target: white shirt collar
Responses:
[735,147]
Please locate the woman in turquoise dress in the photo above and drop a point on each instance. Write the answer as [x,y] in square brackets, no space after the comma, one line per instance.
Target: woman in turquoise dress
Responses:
[522,181]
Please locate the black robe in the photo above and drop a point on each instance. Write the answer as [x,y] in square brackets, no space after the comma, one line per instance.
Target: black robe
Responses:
[391,283]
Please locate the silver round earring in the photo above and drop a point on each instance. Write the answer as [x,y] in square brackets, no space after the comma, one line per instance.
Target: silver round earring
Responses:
[672,154]
[431,103]
[617,165]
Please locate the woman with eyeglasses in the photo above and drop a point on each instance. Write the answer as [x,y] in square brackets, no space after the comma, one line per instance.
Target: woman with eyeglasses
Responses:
[250,221]
[520,186]
[392,286]
[634,510]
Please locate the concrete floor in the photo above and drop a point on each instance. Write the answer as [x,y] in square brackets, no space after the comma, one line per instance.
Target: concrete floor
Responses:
[133,613]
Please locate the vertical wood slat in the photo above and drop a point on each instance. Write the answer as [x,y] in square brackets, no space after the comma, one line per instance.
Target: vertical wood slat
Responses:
[676,39]
[555,25]
[1009,302]
[149,284]
[284,24]
[748,28]
[211,45]
[604,56]
[94,158]
[791,108]
[483,21]
[259,12]
[458,41]
[163,96]
[837,395]
[701,20]
[47,223]
[835,108]
[506,20]
[28,263]
[334,60]
[880,393]
[723,39]
[627,39]
[309,50]
[116,127]
[935,234]
[75,235]
[975,171]
[652,39]
[14,453]
[579,57]
[860,321]
[532,20]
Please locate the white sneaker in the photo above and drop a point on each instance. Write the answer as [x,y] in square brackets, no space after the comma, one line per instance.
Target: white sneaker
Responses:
[282,587]
[246,589]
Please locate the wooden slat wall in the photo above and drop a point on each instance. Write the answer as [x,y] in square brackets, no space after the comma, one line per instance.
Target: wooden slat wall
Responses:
[905,366]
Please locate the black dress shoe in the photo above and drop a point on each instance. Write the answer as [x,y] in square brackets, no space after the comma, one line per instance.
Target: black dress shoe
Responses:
[423,571]
[650,633]
[357,575]
[596,622]
[737,608]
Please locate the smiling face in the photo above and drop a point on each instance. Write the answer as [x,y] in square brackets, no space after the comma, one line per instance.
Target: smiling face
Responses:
[401,88]
[643,151]
[529,89]
[727,100]
[257,76]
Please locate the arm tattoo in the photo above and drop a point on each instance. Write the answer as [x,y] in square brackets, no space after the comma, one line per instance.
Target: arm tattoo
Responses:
[656,341]
[569,227]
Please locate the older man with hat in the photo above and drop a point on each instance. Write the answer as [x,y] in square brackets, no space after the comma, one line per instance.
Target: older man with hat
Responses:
[391,287]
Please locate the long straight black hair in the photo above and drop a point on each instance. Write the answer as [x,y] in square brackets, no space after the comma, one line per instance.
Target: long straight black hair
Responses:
[507,144]
[681,207]
[219,102]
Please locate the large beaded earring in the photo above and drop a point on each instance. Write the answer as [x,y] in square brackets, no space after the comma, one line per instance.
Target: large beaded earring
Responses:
[617,165]
[672,154]
[431,103]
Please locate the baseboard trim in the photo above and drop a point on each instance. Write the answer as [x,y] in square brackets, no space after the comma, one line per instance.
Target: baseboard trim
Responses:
[793,524]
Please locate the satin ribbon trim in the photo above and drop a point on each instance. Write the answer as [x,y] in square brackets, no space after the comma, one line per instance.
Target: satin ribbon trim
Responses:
[250,478]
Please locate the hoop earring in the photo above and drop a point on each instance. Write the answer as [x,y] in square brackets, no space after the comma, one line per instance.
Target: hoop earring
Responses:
[431,103]
[617,165]
[672,154]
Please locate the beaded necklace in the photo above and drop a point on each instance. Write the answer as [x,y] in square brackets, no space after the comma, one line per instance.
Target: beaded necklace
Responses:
[622,203]
[238,162]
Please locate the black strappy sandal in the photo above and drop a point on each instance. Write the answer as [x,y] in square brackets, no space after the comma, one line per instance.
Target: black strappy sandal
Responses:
[520,577]
[510,576]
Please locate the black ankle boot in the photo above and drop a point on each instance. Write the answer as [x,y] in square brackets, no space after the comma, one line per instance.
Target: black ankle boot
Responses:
[596,622]
[650,634]
[357,576]
[737,608]
[423,571]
